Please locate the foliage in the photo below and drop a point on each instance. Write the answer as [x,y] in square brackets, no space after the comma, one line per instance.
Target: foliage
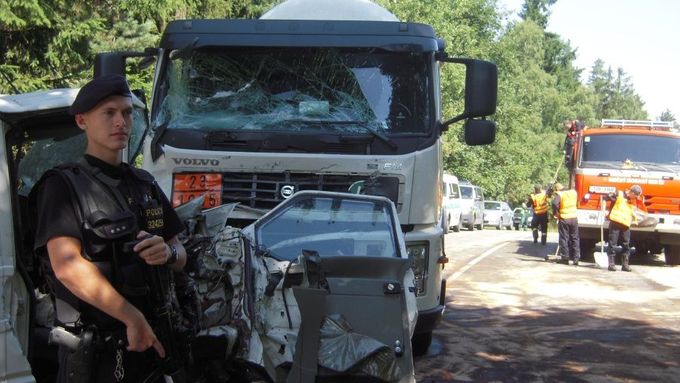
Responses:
[537,11]
[52,43]
[615,94]
[666,116]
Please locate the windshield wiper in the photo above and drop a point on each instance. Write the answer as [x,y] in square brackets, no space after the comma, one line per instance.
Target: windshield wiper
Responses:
[604,164]
[362,124]
[654,165]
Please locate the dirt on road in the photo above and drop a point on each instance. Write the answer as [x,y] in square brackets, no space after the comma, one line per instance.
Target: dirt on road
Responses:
[512,317]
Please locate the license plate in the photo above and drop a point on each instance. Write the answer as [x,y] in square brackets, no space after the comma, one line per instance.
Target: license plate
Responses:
[187,186]
[602,189]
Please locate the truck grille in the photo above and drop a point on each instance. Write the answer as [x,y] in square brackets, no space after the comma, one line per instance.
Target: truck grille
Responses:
[266,190]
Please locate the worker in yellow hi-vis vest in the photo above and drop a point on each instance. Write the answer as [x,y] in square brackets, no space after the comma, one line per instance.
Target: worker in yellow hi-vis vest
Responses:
[564,210]
[621,217]
[539,202]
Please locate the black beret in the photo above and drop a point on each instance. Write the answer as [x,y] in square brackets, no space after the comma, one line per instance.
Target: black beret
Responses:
[97,90]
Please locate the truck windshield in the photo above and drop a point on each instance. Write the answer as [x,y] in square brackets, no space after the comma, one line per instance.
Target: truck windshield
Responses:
[635,148]
[297,90]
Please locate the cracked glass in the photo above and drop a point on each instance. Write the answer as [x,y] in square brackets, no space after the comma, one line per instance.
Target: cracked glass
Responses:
[347,92]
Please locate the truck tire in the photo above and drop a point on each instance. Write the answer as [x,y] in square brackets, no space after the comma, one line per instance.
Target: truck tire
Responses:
[587,247]
[672,255]
[420,343]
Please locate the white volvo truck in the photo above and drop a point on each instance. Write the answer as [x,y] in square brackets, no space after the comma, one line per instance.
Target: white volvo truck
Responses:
[315,95]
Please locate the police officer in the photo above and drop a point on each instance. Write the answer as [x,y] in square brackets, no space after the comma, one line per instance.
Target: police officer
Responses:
[564,211]
[539,202]
[621,217]
[90,216]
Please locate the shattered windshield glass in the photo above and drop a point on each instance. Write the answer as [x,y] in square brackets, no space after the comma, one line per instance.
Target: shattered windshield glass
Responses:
[348,92]
[330,226]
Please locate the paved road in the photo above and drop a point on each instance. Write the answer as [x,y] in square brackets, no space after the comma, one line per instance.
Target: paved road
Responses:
[513,317]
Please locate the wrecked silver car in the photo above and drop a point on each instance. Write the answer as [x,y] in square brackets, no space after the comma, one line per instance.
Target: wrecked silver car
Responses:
[319,287]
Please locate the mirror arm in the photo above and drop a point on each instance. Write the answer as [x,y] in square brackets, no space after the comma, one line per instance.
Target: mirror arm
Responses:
[444,126]
[457,60]
[114,62]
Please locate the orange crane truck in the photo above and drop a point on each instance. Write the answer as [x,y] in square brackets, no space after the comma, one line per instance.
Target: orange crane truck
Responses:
[615,156]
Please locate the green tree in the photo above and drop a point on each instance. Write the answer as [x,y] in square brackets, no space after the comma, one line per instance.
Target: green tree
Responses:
[537,11]
[615,94]
[666,115]
[52,43]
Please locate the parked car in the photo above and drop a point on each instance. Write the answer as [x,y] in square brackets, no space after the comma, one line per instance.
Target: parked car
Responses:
[521,218]
[451,205]
[498,214]
[472,205]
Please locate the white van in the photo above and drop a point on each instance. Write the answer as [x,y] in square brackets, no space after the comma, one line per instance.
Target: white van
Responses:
[451,204]
[472,205]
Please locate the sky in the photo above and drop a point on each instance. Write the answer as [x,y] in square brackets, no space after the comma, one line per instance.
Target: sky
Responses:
[640,36]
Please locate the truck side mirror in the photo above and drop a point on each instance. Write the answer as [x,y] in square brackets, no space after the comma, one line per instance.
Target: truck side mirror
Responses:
[480,132]
[114,62]
[481,88]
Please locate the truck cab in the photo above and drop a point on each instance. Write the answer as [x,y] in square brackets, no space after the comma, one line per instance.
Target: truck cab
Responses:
[314,95]
[617,155]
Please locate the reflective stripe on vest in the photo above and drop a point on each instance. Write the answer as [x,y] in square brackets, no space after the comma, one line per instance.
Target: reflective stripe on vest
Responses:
[622,212]
[540,201]
[567,204]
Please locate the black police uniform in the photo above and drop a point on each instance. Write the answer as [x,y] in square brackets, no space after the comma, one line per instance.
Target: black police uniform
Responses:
[103,206]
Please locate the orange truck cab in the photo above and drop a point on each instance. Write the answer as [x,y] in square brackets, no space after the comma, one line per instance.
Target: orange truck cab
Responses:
[615,156]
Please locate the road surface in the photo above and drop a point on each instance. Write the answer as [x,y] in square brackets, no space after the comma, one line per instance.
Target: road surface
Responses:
[513,317]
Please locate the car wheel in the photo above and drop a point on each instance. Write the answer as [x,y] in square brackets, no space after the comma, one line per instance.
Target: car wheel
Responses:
[458,225]
[500,224]
[420,343]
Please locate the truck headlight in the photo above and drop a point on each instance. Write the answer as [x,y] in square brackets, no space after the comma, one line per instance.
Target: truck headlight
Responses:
[418,254]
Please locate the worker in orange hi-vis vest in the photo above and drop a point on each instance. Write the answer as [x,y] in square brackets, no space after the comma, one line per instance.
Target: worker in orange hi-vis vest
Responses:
[621,217]
[564,210]
[539,202]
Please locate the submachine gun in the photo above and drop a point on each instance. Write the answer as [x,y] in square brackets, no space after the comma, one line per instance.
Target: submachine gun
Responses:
[173,329]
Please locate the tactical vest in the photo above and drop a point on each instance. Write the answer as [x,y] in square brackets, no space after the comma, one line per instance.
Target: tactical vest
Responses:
[622,212]
[540,201]
[108,219]
[567,204]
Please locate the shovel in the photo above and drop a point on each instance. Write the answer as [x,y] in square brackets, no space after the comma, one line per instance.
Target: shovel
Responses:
[601,258]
